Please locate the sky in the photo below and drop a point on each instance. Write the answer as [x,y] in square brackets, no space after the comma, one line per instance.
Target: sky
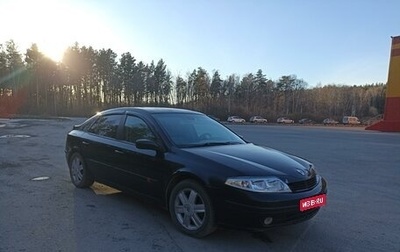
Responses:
[341,42]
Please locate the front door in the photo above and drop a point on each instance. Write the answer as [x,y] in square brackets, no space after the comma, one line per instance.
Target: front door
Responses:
[141,170]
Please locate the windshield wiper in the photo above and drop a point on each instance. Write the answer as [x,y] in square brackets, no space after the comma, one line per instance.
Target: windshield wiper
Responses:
[211,144]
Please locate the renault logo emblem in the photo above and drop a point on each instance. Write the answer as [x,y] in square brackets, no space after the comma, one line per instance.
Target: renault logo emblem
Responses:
[302,172]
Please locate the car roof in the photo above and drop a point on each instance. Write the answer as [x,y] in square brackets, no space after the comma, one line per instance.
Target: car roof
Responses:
[148,110]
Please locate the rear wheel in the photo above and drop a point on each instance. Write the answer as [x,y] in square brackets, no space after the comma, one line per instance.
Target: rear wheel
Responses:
[191,209]
[80,175]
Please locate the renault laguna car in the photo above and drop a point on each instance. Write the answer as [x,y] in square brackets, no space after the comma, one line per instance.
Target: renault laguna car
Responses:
[203,173]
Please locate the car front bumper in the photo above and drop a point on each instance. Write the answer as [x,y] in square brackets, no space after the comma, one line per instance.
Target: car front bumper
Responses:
[249,210]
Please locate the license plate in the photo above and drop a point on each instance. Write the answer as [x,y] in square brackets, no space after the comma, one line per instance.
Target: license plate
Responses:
[313,202]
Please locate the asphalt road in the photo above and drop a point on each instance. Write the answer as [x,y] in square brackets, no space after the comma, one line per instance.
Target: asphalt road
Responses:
[49,214]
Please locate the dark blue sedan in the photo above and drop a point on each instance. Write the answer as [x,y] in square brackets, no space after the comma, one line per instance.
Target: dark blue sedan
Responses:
[203,173]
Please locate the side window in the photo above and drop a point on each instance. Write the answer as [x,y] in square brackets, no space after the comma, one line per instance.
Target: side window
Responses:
[135,128]
[87,124]
[106,126]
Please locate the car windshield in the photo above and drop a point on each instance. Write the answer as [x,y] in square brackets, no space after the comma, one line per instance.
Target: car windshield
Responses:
[195,130]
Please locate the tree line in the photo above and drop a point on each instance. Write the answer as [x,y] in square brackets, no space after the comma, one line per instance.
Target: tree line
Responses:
[88,80]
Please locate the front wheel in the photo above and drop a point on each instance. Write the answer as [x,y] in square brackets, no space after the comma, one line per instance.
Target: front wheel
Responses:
[191,209]
[80,175]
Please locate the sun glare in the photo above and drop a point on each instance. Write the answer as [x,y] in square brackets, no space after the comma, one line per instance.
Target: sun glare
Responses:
[54,52]
[52,25]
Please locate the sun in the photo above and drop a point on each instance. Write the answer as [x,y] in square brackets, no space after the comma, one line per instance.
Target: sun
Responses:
[59,26]
[52,25]
[54,52]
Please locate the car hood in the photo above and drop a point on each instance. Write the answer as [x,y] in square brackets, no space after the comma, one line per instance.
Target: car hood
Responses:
[253,160]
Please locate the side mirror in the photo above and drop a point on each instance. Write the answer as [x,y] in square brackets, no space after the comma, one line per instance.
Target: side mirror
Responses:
[148,145]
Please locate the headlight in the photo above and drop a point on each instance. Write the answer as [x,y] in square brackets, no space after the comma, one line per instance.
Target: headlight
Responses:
[254,184]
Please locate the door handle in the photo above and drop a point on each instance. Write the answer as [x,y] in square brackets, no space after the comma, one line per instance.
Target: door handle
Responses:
[85,143]
[119,152]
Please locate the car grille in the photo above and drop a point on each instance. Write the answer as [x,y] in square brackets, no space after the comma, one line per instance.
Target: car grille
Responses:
[303,185]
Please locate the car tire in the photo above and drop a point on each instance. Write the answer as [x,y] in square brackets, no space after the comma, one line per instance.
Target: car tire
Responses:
[191,209]
[81,177]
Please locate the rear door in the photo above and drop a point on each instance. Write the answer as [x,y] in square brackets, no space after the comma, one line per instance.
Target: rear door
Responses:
[99,147]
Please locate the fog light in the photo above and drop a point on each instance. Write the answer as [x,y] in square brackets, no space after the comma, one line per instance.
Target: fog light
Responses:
[268,221]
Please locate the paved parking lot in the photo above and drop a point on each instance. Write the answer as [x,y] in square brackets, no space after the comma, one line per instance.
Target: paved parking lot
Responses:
[41,210]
